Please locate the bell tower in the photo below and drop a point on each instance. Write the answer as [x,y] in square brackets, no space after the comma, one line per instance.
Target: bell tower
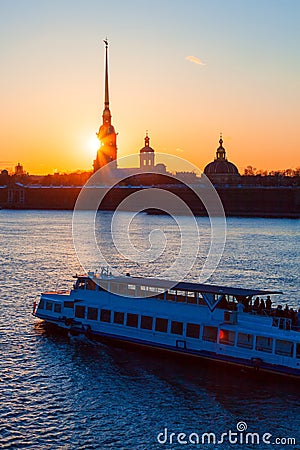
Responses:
[147,155]
[221,153]
[107,136]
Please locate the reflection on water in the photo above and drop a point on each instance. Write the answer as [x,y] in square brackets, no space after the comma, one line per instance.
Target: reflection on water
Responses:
[58,392]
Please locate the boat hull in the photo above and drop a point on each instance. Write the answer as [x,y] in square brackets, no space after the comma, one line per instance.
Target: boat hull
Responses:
[254,366]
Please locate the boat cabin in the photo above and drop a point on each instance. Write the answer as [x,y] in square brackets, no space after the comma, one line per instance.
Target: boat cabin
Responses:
[183,292]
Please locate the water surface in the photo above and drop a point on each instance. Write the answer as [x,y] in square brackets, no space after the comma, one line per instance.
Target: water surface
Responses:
[58,392]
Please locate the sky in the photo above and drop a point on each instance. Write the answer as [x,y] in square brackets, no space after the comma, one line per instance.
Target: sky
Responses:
[185,70]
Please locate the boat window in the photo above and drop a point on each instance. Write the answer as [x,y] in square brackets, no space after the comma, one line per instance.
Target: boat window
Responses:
[192,330]
[264,344]
[90,285]
[119,317]
[210,333]
[201,300]
[132,320]
[285,348]
[181,296]
[57,307]
[176,327]
[80,311]
[122,288]
[49,306]
[152,289]
[245,340]
[114,288]
[171,295]
[41,304]
[192,297]
[142,291]
[146,322]
[138,291]
[103,285]
[92,314]
[69,304]
[80,284]
[161,325]
[227,337]
[105,315]
[298,351]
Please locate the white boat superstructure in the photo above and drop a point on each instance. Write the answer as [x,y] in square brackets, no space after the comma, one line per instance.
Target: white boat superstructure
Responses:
[202,320]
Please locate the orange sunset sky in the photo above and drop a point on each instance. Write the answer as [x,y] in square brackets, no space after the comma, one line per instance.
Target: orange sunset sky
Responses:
[184,70]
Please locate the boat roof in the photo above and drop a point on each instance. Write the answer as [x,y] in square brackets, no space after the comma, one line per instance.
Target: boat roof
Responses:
[186,286]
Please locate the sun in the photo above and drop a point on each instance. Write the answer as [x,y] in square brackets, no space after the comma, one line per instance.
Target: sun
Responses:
[93,144]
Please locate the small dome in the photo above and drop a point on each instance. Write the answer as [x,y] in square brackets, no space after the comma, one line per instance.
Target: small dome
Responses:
[147,148]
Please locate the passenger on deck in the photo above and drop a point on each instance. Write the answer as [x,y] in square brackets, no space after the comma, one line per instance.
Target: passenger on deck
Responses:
[245,302]
[286,311]
[250,306]
[298,319]
[223,303]
[279,311]
[268,304]
[293,317]
[261,307]
[256,304]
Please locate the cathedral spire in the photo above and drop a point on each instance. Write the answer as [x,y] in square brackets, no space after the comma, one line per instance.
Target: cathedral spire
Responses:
[107,136]
[106,98]
[106,116]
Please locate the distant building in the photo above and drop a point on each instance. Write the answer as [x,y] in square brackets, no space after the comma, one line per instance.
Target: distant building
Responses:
[188,177]
[19,170]
[221,171]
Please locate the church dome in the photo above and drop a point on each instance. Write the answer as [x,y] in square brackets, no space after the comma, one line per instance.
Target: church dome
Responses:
[221,166]
[147,148]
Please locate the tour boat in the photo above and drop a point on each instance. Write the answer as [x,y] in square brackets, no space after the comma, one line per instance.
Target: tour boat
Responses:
[200,320]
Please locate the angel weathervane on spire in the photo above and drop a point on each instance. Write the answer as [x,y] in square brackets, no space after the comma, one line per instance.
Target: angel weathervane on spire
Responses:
[105,42]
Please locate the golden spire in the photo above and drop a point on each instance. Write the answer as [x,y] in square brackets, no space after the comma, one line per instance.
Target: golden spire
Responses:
[106,98]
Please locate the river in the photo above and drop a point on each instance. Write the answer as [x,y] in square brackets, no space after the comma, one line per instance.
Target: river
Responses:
[67,393]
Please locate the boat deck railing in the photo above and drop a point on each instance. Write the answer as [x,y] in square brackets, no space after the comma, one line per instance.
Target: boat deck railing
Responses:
[59,292]
[282,323]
